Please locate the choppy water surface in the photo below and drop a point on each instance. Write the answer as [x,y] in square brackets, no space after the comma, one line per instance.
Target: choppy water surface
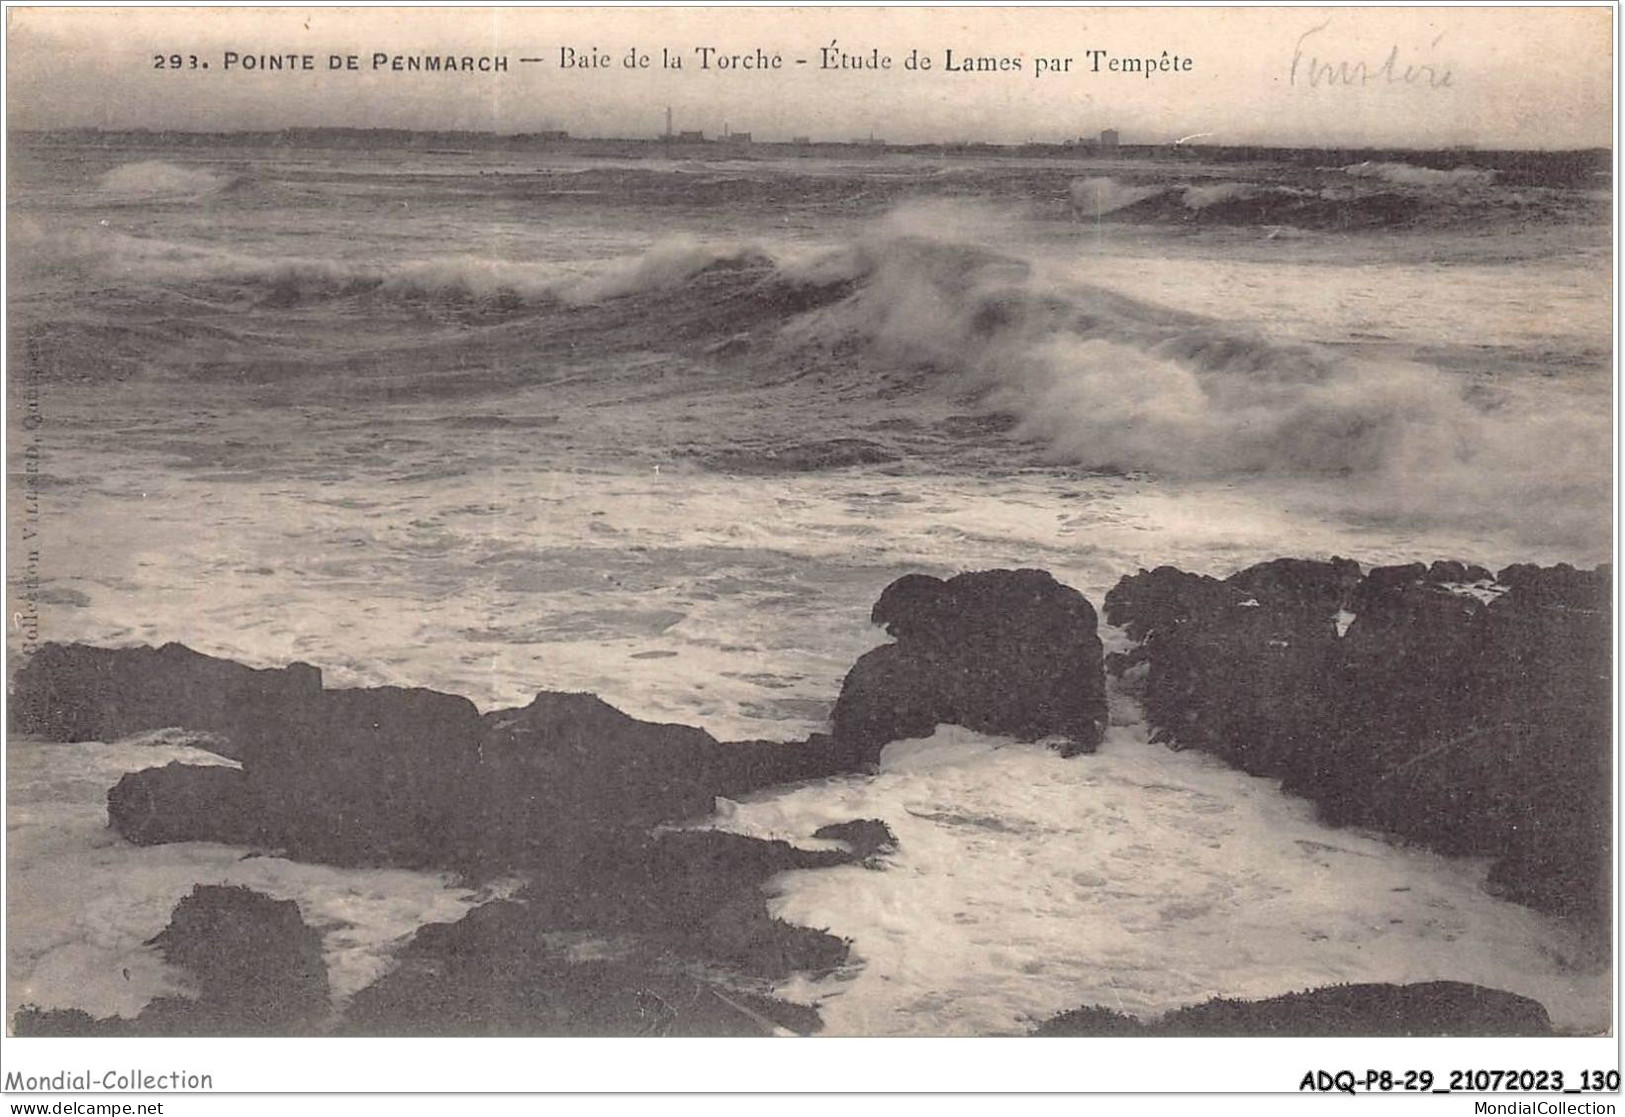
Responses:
[492,426]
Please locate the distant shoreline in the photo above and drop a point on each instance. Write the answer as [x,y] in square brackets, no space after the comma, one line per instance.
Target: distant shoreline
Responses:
[1593,159]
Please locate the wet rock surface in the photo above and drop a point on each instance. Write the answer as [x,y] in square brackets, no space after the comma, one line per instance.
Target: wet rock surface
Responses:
[1426,701]
[571,764]
[391,775]
[74,692]
[1432,702]
[256,965]
[663,935]
[1433,1008]
[1010,652]
[866,837]
[621,932]
[184,803]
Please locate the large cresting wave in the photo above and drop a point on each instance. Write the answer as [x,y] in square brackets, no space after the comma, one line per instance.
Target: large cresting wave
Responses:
[932,296]
[182,266]
[1117,383]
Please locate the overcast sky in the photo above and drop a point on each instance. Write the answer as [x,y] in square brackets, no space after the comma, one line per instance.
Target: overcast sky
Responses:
[1529,77]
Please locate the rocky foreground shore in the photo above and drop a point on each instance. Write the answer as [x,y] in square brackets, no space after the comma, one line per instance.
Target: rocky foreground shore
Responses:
[1445,705]
[1465,711]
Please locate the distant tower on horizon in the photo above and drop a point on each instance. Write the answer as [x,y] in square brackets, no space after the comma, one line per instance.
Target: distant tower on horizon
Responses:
[668,122]
[1109,139]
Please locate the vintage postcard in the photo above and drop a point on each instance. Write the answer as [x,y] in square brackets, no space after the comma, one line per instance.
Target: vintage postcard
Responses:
[859,521]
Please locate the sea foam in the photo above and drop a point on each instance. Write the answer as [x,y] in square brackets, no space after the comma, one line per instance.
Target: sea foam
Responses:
[1138,879]
[156,180]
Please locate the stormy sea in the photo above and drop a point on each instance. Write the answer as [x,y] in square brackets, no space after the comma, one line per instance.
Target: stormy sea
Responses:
[660,424]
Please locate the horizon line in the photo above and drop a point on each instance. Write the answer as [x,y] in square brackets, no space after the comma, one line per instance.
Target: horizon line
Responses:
[560,135]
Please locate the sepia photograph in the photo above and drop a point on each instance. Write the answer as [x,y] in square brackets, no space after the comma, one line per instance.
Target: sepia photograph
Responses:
[1057,524]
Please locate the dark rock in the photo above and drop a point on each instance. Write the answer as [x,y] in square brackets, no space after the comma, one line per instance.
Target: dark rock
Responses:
[632,935]
[636,935]
[369,776]
[1433,1008]
[741,766]
[31,1020]
[1156,600]
[257,967]
[72,692]
[582,761]
[251,956]
[553,993]
[1304,586]
[565,789]
[1238,667]
[1010,652]
[1094,1021]
[184,803]
[1450,571]
[388,775]
[1476,727]
[570,765]
[866,837]
[696,890]
[1562,585]
[1483,729]
[418,778]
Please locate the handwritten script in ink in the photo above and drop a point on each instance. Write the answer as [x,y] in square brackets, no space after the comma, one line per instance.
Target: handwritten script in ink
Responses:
[1317,71]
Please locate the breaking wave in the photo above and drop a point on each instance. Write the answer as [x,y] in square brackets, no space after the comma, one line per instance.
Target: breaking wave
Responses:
[666,265]
[155,180]
[1111,382]
[1200,197]
[1096,197]
[291,279]
[920,301]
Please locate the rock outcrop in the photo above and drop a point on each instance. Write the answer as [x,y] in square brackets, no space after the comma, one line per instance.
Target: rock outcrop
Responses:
[185,803]
[389,775]
[571,764]
[865,837]
[1238,667]
[639,935]
[1432,1008]
[1429,702]
[73,692]
[250,955]
[379,775]
[1009,652]
[633,935]
[417,778]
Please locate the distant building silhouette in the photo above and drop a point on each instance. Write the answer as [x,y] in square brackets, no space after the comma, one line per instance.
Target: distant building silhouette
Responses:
[1109,139]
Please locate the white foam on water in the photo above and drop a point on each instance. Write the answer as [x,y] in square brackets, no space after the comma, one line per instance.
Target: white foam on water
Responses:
[1138,879]
[83,902]
[1407,174]
[157,180]
[1098,196]
[594,555]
